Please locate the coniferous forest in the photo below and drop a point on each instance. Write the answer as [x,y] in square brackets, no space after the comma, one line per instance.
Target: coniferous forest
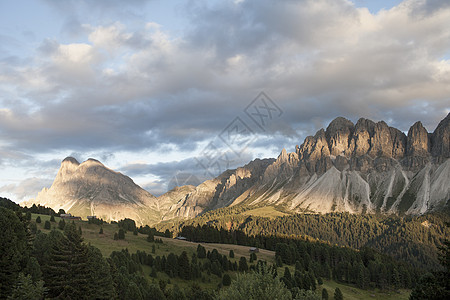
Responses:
[413,240]
[58,264]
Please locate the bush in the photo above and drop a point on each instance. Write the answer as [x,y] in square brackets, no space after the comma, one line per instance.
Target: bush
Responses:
[256,285]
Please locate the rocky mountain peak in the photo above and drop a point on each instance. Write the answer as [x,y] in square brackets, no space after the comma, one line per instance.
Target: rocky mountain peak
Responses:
[90,188]
[338,134]
[441,139]
[418,142]
[71,160]
[381,141]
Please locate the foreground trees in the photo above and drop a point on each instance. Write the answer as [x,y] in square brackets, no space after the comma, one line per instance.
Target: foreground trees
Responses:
[261,285]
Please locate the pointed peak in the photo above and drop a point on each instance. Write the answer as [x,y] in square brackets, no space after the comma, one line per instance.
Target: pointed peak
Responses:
[70,159]
[417,126]
[320,133]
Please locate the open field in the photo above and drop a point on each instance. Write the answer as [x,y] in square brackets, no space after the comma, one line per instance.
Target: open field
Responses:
[106,243]
[267,211]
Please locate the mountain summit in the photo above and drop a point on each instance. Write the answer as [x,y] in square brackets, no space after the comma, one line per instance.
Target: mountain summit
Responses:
[366,167]
[90,188]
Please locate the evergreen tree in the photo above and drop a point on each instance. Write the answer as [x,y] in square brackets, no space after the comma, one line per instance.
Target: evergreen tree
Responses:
[231,255]
[26,289]
[47,225]
[175,293]
[13,249]
[338,294]
[153,273]
[184,267]
[116,236]
[135,231]
[52,219]
[243,267]
[171,267]
[38,219]
[153,249]
[33,269]
[201,251]
[150,237]
[226,280]
[101,230]
[121,234]
[255,285]
[61,224]
[324,294]
[66,273]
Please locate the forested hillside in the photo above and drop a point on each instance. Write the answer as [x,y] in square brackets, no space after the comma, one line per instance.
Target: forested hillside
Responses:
[43,254]
[411,239]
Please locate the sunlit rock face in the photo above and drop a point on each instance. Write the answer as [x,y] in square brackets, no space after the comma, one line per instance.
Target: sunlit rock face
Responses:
[90,188]
[366,167]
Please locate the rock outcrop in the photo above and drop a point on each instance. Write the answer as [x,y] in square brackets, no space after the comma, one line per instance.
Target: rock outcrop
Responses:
[90,188]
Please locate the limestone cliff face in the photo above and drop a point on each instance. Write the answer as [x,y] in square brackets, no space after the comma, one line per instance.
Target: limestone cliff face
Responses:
[441,139]
[90,188]
[368,167]
[226,189]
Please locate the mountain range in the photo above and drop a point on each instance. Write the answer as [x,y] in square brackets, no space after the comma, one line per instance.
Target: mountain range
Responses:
[367,167]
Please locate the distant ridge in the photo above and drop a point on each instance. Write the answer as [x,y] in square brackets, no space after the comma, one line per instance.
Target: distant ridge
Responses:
[365,167]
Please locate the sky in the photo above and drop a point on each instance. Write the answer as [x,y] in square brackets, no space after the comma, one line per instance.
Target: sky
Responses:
[175,92]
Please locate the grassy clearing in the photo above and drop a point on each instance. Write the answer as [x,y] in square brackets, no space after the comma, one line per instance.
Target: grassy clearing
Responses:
[106,243]
[267,211]
[354,293]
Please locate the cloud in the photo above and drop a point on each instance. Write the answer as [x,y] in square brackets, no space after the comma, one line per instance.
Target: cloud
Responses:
[121,82]
[25,189]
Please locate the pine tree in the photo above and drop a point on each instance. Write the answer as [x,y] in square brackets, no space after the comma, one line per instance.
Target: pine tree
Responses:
[338,294]
[13,249]
[61,224]
[121,234]
[150,237]
[153,273]
[226,280]
[201,251]
[243,267]
[101,230]
[47,225]
[52,219]
[66,273]
[184,267]
[231,255]
[38,219]
[324,294]
[26,289]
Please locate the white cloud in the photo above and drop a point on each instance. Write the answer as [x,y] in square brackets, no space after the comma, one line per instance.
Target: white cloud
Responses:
[132,86]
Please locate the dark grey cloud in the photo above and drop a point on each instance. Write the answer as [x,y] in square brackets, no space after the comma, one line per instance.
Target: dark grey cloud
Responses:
[130,86]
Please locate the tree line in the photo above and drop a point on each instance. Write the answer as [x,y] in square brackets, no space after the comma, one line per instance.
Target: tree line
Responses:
[412,239]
